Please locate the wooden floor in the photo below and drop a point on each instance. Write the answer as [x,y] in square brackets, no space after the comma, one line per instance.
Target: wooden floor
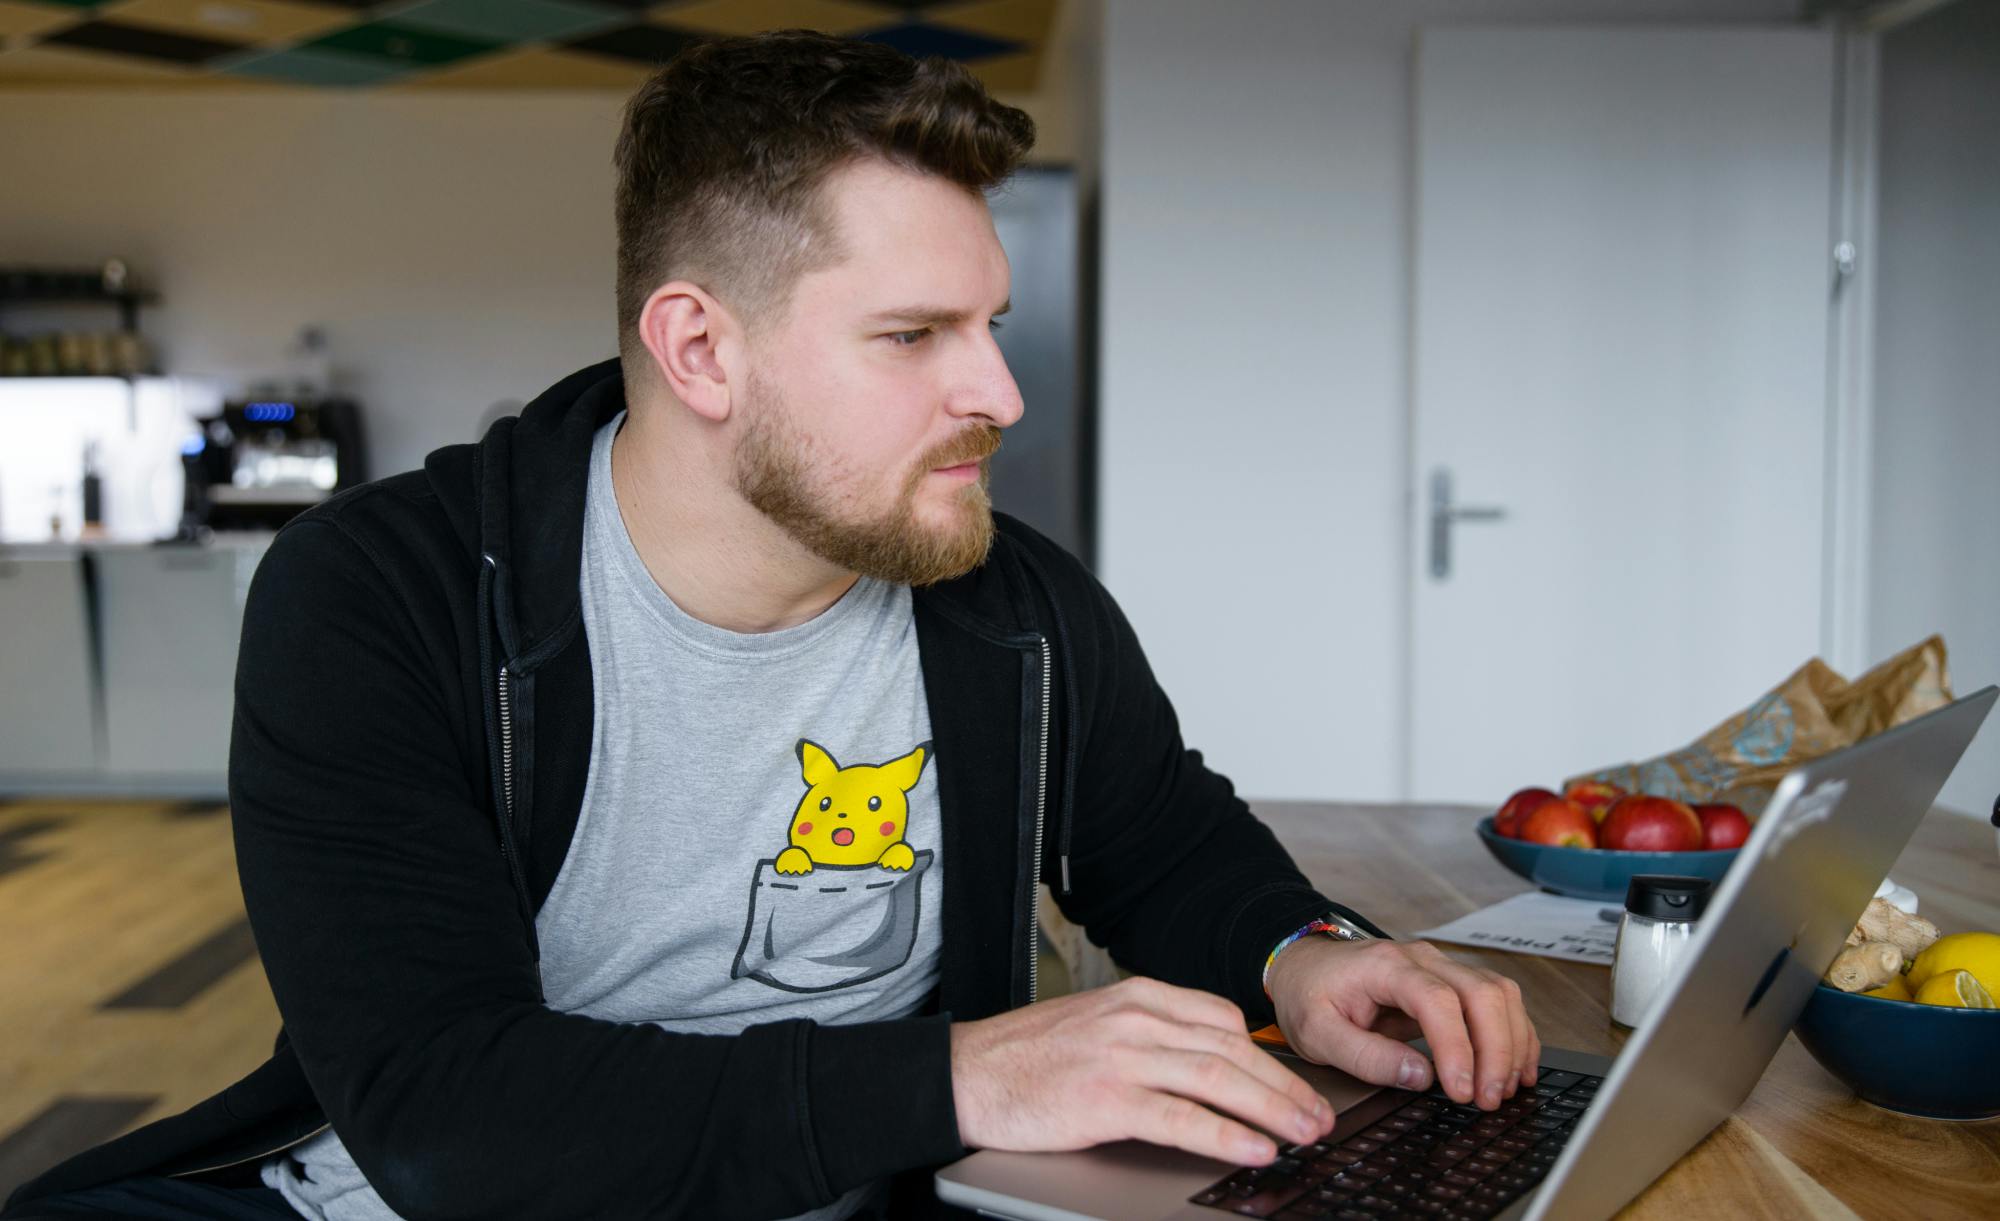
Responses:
[129,987]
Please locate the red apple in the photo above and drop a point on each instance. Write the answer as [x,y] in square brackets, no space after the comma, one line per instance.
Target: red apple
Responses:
[1722,825]
[1595,796]
[1639,823]
[1518,807]
[1561,822]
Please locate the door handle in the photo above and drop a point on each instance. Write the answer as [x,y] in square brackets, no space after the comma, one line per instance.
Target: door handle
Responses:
[1444,514]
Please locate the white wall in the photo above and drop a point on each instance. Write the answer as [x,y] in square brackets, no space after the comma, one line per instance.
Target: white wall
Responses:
[1257,190]
[457,248]
[1934,566]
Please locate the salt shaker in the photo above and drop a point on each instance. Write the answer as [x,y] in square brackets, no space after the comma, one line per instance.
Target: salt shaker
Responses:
[1653,938]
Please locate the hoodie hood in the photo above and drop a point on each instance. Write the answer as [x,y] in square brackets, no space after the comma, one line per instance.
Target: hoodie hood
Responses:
[533,471]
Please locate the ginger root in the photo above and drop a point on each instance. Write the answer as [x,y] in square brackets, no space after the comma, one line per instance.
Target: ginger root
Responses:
[1859,968]
[1884,921]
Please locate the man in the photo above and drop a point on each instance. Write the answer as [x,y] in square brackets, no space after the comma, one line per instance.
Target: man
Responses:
[641,811]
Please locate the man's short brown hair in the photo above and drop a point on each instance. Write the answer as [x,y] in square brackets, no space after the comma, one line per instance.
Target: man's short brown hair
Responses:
[724,152]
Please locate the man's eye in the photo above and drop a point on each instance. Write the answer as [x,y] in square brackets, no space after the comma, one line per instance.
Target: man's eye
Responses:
[910,339]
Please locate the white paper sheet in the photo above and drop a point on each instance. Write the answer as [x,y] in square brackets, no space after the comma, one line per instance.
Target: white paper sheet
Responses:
[1538,923]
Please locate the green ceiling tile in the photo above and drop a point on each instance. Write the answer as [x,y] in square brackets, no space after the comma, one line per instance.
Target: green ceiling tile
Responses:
[401,44]
[509,20]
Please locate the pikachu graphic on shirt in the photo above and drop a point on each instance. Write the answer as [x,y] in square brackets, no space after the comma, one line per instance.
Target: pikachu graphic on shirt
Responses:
[852,815]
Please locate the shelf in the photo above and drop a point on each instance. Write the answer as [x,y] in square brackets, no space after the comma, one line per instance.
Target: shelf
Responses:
[128,303]
[74,377]
[135,297]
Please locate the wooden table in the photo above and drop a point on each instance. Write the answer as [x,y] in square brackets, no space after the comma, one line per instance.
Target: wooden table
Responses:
[1802,1144]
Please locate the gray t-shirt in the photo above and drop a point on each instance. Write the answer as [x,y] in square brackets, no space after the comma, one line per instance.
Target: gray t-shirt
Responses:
[759,837]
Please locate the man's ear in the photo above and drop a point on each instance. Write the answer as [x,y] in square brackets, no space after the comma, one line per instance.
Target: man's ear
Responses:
[689,333]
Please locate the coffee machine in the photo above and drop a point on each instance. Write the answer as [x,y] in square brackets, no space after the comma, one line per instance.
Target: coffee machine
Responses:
[260,462]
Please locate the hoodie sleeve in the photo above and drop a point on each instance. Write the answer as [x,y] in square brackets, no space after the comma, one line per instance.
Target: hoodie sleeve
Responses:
[397,950]
[1168,868]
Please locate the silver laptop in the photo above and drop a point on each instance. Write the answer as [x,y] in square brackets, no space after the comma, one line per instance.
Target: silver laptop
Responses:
[1829,835]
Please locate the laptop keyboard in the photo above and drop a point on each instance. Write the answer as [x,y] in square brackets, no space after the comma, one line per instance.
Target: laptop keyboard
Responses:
[1421,1155]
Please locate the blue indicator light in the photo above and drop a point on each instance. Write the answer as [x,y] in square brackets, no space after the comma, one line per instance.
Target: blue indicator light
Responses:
[269,413]
[194,445]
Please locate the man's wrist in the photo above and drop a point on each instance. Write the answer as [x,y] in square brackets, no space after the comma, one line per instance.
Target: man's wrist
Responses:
[1330,926]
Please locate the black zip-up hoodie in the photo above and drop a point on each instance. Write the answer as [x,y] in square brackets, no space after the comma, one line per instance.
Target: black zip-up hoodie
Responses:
[412,734]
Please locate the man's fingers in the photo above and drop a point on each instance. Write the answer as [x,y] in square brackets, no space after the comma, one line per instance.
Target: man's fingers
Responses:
[1219,1082]
[1375,1058]
[1201,1021]
[1425,996]
[1526,1043]
[1527,1048]
[1259,1064]
[1487,1004]
[1534,1053]
[1167,1119]
[1397,1025]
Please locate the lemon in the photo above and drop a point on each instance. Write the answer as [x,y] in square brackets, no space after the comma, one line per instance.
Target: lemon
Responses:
[1978,953]
[1957,989]
[1894,990]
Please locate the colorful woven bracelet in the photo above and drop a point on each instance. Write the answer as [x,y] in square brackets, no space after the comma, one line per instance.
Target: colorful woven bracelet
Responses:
[1315,927]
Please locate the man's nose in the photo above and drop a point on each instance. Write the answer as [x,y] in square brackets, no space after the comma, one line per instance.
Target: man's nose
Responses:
[988,388]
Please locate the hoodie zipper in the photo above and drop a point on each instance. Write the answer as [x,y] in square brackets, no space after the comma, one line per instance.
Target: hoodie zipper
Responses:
[500,723]
[1041,809]
[504,694]
[506,764]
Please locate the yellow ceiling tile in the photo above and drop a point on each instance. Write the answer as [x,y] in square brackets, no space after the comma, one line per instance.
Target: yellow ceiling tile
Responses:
[256,22]
[20,20]
[1020,20]
[532,68]
[1018,73]
[35,66]
[754,16]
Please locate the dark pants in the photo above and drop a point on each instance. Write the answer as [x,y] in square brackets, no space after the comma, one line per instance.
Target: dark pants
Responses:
[158,1199]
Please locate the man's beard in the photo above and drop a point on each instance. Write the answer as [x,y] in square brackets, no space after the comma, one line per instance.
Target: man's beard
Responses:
[897,547]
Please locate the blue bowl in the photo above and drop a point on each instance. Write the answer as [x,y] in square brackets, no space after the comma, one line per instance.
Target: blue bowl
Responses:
[1596,873]
[1925,1060]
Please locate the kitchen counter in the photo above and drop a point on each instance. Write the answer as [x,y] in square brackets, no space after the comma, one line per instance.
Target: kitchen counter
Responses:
[252,540]
[118,663]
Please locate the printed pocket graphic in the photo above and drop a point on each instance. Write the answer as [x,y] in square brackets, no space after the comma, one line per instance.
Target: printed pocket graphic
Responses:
[835,927]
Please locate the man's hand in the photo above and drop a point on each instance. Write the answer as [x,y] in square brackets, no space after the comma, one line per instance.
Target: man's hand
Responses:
[1139,1059]
[1349,1003]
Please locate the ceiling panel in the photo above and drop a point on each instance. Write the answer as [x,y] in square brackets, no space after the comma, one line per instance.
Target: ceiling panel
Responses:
[472,44]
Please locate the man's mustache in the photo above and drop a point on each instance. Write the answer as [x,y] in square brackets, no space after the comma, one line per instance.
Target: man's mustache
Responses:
[975,446]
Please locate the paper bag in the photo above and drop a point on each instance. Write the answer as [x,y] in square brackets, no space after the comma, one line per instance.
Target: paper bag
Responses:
[1812,713]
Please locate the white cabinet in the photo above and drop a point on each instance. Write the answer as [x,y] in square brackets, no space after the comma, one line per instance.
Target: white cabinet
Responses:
[48,727]
[118,666]
[170,618]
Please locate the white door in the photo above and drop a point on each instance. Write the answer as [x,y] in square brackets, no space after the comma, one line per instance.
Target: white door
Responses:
[1620,330]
